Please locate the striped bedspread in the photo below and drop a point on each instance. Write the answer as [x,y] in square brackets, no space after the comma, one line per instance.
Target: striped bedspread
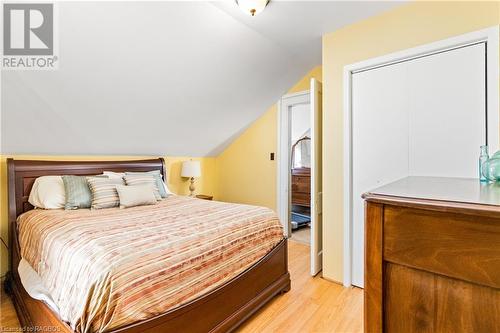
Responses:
[112,267]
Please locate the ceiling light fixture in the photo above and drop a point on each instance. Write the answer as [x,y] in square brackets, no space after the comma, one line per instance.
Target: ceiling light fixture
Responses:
[252,7]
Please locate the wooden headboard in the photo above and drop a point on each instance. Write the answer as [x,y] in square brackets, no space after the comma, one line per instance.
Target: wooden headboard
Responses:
[22,174]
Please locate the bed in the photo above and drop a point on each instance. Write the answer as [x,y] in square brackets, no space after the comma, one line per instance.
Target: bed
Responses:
[220,309]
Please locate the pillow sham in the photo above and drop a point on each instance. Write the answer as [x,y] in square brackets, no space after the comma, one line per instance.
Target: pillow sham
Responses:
[162,187]
[48,193]
[143,179]
[104,194]
[137,195]
[78,194]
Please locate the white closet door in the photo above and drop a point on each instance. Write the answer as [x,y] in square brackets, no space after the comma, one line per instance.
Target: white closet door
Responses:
[423,117]
[447,112]
[379,142]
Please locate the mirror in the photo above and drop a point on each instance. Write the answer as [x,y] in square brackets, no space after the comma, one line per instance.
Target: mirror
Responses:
[301,153]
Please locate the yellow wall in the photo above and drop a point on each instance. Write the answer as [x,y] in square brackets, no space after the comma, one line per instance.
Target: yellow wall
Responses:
[401,28]
[205,184]
[245,174]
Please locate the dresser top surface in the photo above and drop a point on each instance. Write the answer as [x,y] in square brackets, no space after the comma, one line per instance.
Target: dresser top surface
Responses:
[462,190]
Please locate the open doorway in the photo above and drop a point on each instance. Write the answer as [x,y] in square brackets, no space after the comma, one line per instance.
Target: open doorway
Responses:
[300,173]
[299,170]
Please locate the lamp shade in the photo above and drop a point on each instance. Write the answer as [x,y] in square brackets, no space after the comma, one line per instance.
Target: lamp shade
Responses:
[191,169]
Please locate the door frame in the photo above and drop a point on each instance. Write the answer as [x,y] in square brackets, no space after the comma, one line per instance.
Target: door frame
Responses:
[283,177]
[490,36]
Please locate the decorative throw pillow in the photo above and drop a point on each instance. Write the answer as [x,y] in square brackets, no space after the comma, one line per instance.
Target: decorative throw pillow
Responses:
[104,194]
[143,179]
[162,187]
[137,195]
[77,191]
[48,193]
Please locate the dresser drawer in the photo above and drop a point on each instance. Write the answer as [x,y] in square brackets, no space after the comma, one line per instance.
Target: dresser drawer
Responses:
[301,184]
[455,245]
[418,301]
[301,199]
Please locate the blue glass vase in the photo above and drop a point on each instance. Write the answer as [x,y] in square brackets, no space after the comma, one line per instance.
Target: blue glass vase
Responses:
[483,157]
[491,168]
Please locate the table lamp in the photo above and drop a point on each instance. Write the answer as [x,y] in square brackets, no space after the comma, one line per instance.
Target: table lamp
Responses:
[191,169]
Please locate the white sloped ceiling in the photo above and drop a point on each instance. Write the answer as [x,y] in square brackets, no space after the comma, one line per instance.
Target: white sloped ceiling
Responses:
[164,78]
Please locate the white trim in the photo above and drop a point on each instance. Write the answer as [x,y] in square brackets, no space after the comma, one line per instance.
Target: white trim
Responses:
[347,281]
[279,181]
[493,88]
[295,94]
[489,35]
[283,158]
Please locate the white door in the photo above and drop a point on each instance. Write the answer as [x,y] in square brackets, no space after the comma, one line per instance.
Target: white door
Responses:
[379,144]
[316,178]
[447,113]
[421,117]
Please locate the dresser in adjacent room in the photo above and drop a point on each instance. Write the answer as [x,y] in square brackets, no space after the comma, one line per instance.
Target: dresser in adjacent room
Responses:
[432,259]
[301,187]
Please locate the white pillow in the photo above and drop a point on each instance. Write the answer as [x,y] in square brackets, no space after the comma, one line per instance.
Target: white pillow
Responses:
[48,193]
[112,174]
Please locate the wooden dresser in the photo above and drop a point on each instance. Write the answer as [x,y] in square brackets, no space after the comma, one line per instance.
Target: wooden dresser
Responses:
[432,256]
[301,187]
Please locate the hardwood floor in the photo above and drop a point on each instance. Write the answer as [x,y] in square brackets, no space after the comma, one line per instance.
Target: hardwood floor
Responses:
[8,316]
[302,235]
[312,305]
